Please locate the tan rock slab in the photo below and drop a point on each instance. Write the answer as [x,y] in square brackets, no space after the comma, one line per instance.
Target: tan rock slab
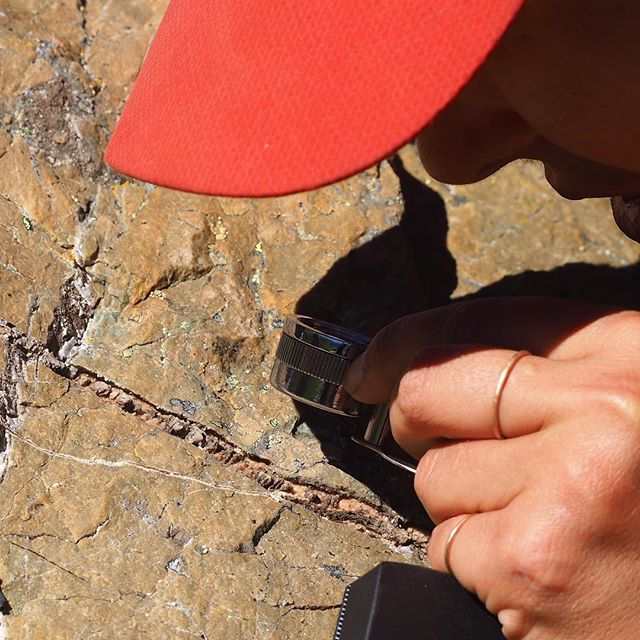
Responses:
[113,528]
[179,299]
[195,296]
[168,307]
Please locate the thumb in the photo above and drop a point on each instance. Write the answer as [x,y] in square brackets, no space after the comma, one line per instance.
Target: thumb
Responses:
[372,376]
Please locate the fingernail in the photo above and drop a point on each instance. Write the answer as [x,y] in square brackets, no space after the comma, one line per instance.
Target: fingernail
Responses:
[355,375]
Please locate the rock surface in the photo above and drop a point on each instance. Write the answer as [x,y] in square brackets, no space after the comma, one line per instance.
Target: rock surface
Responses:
[113,528]
[153,482]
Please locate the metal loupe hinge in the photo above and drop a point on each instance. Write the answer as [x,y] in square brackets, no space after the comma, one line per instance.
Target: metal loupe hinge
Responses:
[407,466]
[377,431]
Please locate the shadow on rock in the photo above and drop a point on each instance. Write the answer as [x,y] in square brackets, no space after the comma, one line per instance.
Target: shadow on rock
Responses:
[600,284]
[403,270]
[408,269]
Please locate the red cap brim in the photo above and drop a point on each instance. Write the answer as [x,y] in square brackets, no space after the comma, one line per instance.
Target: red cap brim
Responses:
[257,97]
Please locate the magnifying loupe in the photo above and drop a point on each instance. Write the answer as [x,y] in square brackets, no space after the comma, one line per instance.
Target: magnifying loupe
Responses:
[312,360]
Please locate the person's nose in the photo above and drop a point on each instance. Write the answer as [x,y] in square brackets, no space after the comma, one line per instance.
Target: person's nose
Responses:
[477,134]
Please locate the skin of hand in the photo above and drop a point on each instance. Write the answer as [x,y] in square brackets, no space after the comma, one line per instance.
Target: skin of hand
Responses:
[553,545]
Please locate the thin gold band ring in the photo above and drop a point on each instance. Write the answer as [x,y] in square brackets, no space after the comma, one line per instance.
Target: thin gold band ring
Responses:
[502,382]
[449,543]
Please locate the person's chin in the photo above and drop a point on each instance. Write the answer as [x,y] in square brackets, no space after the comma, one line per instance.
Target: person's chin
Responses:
[572,187]
[575,178]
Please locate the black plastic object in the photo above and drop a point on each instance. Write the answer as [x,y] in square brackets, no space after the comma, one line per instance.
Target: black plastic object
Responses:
[405,602]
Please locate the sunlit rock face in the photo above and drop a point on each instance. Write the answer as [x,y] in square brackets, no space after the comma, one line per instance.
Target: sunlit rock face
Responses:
[153,482]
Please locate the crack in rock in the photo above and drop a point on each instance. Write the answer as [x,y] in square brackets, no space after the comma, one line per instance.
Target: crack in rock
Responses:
[378,521]
[9,380]
[42,557]
[71,317]
[5,607]
[260,533]
[315,607]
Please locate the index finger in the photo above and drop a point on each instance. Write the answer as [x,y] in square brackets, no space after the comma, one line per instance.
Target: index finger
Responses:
[542,326]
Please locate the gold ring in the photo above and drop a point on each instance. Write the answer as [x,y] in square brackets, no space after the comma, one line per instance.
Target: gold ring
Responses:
[502,381]
[449,543]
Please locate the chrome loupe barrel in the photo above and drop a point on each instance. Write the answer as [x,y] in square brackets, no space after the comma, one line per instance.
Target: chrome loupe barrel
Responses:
[311,363]
[312,360]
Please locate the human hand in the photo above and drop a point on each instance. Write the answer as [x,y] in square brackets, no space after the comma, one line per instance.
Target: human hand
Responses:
[553,545]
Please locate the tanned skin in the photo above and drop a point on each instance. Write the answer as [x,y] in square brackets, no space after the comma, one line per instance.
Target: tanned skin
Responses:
[553,545]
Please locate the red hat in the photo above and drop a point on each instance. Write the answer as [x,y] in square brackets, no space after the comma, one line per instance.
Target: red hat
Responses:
[266,97]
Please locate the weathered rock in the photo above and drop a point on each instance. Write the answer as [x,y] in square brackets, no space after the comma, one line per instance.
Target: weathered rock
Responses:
[195,298]
[174,492]
[514,222]
[111,524]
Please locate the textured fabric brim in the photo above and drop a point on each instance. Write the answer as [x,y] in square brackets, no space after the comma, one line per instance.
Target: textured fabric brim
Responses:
[267,97]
